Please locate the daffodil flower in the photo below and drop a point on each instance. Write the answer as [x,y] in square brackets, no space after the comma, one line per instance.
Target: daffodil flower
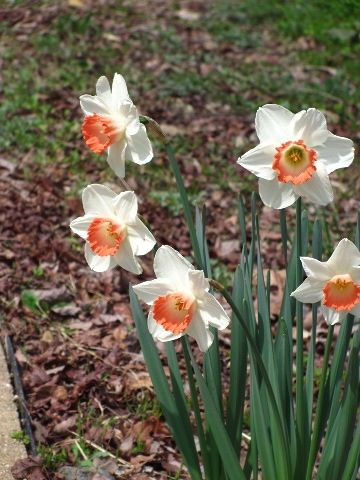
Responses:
[113,232]
[180,301]
[112,123]
[295,156]
[335,283]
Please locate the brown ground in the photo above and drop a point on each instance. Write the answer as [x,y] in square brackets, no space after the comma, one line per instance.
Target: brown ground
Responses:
[82,369]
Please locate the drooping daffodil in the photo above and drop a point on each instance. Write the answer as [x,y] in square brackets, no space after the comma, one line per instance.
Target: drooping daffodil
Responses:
[180,301]
[112,123]
[113,232]
[335,283]
[295,156]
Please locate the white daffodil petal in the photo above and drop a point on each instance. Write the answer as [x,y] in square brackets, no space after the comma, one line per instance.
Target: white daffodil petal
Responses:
[318,188]
[128,111]
[97,199]
[276,194]
[198,284]
[90,104]
[212,312]
[332,316]
[310,291]
[140,237]
[169,264]
[119,90]
[199,332]
[345,256]
[125,206]
[139,149]
[310,126]
[116,157]
[81,224]
[158,332]
[336,152]
[259,161]
[354,273]
[356,310]
[320,271]
[125,257]
[149,291]
[272,124]
[103,90]
[97,263]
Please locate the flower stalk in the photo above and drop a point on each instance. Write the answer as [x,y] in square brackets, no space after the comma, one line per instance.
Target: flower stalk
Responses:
[294,159]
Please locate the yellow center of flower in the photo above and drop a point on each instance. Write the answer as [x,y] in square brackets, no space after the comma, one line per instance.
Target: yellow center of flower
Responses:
[174,311]
[105,236]
[101,132]
[294,162]
[341,293]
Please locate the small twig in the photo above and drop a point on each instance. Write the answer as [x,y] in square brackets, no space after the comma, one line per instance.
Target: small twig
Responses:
[89,352]
[85,457]
[100,449]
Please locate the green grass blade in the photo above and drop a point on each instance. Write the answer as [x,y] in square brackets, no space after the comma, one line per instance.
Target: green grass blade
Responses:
[353,460]
[338,438]
[260,425]
[302,420]
[186,205]
[280,433]
[333,387]
[284,235]
[175,420]
[251,466]
[229,458]
[212,367]
[211,357]
[238,369]
[242,219]
[320,407]
[282,352]
[204,447]
[309,378]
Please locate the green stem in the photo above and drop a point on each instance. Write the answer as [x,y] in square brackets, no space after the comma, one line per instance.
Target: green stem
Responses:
[186,205]
[255,351]
[319,407]
[154,128]
[195,405]
[301,421]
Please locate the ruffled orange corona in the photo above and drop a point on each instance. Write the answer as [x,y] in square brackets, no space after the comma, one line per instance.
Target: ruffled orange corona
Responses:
[341,293]
[100,132]
[294,162]
[105,236]
[174,311]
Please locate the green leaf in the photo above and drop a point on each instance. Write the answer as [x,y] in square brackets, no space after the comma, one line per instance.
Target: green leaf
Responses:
[259,418]
[175,420]
[186,205]
[31,301]
[353,460]
[238,369]
[204,447]
[225,448]
[339,435]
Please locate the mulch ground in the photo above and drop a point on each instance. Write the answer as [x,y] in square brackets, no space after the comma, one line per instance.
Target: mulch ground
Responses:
[85,380]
